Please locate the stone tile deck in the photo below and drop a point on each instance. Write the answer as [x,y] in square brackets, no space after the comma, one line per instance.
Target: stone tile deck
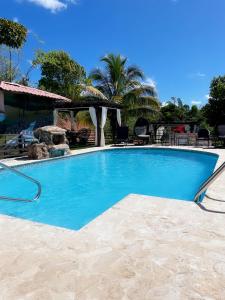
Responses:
[142,248]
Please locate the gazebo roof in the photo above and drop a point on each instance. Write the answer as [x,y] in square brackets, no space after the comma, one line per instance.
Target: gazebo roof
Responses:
[86,103]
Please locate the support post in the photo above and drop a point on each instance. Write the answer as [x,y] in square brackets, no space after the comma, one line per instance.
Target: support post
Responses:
[55,116]
[113,125]
[72,120]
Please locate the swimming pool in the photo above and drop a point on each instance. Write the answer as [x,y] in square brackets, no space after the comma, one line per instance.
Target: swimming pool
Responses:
[79,188]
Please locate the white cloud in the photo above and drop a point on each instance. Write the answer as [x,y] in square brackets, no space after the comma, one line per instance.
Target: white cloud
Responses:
[207,96]
[197,75]
[15,19]
[29,61]
[164,103]
[151,82]
[195,102]
[53,5]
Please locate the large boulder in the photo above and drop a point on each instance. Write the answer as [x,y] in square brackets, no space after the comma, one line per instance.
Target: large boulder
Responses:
[53,143]
[51,135]
[38,151]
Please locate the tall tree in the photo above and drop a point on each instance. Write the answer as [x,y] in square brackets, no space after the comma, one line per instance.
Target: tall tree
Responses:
[214,110]
[59,73]
[124,84]
[175,110]
[13,35]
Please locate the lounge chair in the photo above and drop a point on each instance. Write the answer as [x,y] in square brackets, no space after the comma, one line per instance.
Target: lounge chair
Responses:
[122,136]
[25,138]
[203,136]
[27,135]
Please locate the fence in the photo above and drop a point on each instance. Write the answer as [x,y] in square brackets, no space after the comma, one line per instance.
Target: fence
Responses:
[9,150]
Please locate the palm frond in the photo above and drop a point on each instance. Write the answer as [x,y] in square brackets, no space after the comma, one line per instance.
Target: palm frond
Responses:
[115,68]
[134,73]
[148,101]
[137,111]
[117,99]
[88,90]
[139,92]
[83,118]
[101,80]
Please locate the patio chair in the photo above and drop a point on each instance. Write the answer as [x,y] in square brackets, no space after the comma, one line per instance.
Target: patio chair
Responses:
[83,135]
[203,136]
[71,137]
[221,132]
[141,134]
[141,131]
[159,134]
[122,137]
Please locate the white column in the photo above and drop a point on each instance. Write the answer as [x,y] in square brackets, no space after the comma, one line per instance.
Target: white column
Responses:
[118,115]
[55,116]
[92,112]
[103,121]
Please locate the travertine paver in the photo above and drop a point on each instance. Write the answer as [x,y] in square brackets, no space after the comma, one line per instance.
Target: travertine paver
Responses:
[142,248]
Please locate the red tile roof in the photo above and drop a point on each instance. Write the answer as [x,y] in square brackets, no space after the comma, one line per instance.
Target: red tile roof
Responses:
[21,89]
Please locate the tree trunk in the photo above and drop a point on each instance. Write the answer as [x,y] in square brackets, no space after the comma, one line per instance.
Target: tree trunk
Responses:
[10,65]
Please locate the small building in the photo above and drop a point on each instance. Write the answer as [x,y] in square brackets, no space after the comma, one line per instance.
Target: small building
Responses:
[20,105]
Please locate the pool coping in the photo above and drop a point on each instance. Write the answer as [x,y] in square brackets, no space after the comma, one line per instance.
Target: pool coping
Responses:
[18,161]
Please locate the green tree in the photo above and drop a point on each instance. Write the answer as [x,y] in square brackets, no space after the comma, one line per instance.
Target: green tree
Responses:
[214,110]
[13,35]
[175,110]
[123,84]
[60,73]
[195,114]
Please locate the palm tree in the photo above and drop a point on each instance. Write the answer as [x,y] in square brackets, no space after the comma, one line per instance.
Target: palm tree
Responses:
[124,85]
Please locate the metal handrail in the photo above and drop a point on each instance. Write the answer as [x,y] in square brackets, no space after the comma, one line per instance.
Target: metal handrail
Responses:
[38,194]
[208,182]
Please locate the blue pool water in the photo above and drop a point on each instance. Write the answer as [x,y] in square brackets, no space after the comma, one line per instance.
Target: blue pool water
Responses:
[79,188]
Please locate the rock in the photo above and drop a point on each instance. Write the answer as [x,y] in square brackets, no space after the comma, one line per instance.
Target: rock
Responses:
[51,135]
[59,150]
[53,143]
[38,151]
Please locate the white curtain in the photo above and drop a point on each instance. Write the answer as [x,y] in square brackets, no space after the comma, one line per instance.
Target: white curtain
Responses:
[104,117]
[92,112]
[118,114]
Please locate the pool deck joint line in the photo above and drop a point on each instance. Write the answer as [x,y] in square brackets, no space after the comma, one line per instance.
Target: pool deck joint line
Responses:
[141,248]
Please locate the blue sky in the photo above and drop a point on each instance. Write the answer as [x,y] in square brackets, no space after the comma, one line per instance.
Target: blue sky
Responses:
[180,44]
